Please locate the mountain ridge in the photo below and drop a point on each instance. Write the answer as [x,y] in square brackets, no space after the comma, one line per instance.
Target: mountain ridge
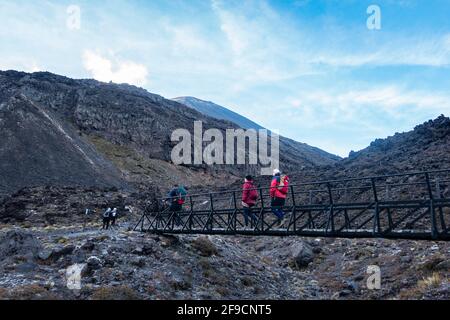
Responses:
[219,112]
[127,129]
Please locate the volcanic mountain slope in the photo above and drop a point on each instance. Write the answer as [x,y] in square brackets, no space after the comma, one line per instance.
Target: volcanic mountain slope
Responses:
[427,147]
[291,148]
[77,132]
[38,149]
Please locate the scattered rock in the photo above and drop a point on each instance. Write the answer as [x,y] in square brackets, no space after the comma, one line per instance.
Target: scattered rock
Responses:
[345,293]
[138,262]
[45,254]
[94,263]
[301,255]
[63,251]
[317,250]
[444,265]
[138,251]
[88,246]
[353,286]
[359,277]
[26,267]
[169,241]
[55,253]
[431,263]
[405,259]
[109,262]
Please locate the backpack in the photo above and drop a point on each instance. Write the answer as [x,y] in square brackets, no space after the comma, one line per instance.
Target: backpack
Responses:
[182,195]
[178,195]
[283,184]
[106,213]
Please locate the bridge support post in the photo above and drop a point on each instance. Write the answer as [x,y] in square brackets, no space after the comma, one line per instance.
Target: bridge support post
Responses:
[331,212]
[441,213]
[191,216]
[434,231]
[209,223]
[142,223]
[233,221]
[262,209]
[294,211]
[376,217]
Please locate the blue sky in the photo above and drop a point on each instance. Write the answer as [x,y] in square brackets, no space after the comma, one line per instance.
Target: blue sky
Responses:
[308,68]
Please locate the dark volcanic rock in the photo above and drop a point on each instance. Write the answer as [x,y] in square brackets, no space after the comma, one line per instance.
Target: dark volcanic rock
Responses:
[94,263]
[301,254]
[18,243]
[426,147]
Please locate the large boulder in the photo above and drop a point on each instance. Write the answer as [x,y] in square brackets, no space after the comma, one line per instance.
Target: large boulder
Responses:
[301,255]
[14,209]
[18,243]
[94,263]
[56,253]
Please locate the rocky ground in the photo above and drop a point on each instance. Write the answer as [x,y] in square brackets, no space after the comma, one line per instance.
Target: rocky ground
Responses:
[120,264]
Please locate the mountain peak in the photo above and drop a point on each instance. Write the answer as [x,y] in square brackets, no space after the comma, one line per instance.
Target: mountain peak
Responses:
[216,111]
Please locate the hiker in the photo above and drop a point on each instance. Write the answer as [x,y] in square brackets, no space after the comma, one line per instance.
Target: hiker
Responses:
[278,191]
[106,218]
[176,198]
[249,197]
[113,217]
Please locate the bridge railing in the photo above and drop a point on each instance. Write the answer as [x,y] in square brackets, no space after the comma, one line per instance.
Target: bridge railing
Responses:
[408,201]
[407,186]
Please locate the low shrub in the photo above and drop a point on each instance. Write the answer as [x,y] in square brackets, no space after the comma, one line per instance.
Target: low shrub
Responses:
[30,292]
[204,246]
[115,293]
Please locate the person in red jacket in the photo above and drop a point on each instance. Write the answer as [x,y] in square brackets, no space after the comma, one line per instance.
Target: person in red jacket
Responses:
[279,189]
[249,198]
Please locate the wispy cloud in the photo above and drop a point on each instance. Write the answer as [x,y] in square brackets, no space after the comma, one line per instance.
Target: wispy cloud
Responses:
[360,115]
[433,51]
[260,50]
[388,99]
[369,107]
[114,69]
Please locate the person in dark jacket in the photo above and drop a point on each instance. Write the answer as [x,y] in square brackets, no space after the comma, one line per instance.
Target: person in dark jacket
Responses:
[249,198]
[176,199]
[279,189]
[106,218]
